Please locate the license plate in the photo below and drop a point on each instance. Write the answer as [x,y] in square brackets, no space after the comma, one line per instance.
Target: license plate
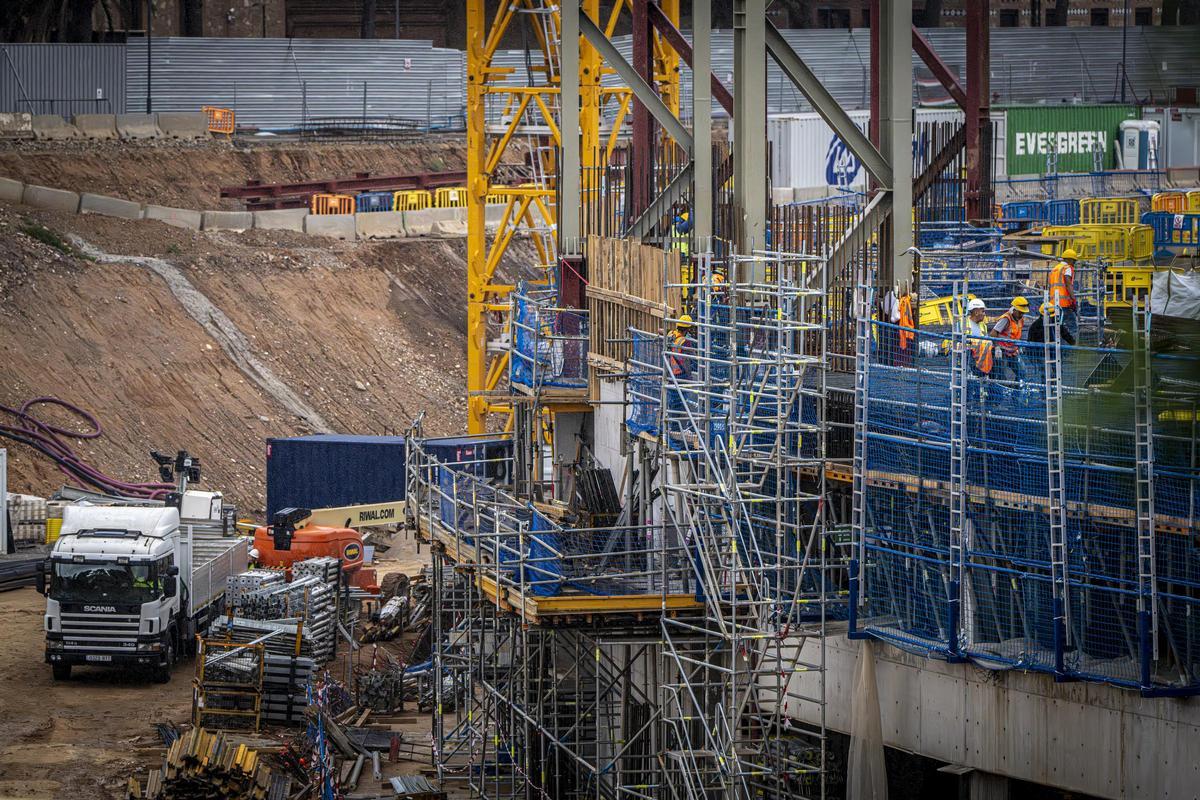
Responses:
[99,658]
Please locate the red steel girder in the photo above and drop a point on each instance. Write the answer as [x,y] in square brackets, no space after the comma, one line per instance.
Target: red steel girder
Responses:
[361,182]
[674,38]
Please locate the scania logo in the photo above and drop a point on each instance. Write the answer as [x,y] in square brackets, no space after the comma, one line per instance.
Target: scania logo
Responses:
[100,609]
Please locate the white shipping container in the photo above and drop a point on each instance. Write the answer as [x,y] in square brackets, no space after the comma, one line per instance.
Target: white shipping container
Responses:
[806,155]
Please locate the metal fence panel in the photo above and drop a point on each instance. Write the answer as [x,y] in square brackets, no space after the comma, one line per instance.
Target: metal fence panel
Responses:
[281,83]
[62,78]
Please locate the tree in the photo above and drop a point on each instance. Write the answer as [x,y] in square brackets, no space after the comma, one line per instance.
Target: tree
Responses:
[193,17]
[77,20]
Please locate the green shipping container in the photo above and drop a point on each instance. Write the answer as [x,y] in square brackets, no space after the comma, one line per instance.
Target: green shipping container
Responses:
[1033,131]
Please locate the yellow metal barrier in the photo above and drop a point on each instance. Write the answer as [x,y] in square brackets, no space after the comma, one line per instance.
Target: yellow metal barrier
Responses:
[1193,201]
[1108,211]
[411,200]
[940,311]
[1175,202]
[1111,242]
[332,204]
[450,197]
[1125,283]
[220,120]
[1083,241]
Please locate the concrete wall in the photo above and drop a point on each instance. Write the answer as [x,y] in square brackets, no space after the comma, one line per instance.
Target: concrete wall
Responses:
[1078,737]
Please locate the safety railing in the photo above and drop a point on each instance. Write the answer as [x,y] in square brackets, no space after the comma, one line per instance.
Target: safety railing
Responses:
[332,204]
[220,120]
[550,344]
[411,200]
[1042,432]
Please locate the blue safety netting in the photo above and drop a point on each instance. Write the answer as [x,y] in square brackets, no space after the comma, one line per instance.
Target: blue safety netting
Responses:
[982,585]
[550,344]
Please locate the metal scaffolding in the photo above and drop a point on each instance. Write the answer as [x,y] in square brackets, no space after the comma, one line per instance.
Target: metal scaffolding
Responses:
[671,654]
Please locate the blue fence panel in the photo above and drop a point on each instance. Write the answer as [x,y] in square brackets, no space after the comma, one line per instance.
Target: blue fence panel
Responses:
[373,201]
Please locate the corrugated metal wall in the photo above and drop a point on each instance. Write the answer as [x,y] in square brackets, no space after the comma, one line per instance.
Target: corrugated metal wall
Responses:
[277,83]
[1028,65]
[62,78]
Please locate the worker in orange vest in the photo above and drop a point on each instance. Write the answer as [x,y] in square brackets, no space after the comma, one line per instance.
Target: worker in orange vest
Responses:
[1062,294]
[975,326]
[1009,327]
[681,348]
[907,332]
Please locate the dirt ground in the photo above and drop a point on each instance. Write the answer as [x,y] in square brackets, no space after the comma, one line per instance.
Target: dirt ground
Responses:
[190,175]
[364,335]
[86,737]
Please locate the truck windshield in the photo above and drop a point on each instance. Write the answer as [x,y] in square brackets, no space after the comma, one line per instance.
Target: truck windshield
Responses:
[111,583]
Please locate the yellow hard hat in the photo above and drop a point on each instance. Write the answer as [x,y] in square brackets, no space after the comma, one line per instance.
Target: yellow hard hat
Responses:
[718,278]
[1069,254]
[685,321]
[1044,308]
[1021,304]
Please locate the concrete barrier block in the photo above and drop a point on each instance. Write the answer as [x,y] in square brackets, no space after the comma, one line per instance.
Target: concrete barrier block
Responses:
[138,126]
[10,190]
[418,223]
[184,125]
[336,226]
[493,216]
[96,126]
[380,225]
[52,126]
[227,221]
[16,125]
[109,206]
[179,217]
[782,195]
[283,219]
[52,199]
[449,229]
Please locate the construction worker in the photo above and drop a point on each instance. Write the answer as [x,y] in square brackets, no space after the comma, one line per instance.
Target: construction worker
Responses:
[681,348]
[1009,326]
[975,326]
[907,332]
[1037,330]
[1062,294]
[683,229]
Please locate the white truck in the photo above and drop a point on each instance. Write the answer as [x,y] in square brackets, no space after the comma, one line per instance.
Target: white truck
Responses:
[123,586]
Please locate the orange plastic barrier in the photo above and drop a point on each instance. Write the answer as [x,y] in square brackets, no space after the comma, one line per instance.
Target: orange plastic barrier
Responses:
[332,204]
[220,120]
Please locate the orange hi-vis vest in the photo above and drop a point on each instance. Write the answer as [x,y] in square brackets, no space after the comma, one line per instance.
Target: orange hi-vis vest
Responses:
[906,321]
[983,356]
[677,343]
[1015,327]
[1060,293]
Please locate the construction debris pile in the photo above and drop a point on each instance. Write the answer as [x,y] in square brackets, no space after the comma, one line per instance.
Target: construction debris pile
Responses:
[200,764]
[407,609]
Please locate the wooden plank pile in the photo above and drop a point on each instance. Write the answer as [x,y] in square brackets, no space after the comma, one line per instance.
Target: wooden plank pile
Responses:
[200,765]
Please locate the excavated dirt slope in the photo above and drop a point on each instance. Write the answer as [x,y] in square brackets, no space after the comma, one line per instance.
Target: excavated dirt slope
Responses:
[213,342]
[190,175]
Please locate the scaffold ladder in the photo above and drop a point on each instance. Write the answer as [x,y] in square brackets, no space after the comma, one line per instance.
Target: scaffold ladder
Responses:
[862,370]
[1056,473]
[1144,443]
[958,458]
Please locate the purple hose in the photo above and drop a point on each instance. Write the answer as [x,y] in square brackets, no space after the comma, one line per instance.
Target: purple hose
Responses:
[48,439]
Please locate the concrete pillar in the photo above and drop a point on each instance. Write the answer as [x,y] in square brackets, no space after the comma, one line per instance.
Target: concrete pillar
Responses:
[750,121]
[702,204]
[895,132]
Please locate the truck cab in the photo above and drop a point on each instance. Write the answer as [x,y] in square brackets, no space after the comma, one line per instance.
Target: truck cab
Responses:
[122,589]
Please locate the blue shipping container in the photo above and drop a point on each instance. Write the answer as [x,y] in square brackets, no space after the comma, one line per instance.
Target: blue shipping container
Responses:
[332,470]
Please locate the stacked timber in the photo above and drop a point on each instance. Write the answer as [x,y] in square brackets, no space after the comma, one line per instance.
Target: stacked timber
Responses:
[630,285]
[200,764]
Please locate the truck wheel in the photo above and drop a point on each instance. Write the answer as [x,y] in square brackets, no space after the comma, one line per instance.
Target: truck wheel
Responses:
[162,673]
[62,672]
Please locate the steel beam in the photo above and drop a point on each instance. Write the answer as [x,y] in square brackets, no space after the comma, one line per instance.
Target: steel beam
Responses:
[940,69]
[977,107]
[676,190]
[700,60]
[829,108]
[644,93]
[750,122]
[641,151]
[569,196]
[676,39]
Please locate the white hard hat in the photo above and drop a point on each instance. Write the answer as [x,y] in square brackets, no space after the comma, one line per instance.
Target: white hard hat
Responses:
[253,554]
[975,303]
